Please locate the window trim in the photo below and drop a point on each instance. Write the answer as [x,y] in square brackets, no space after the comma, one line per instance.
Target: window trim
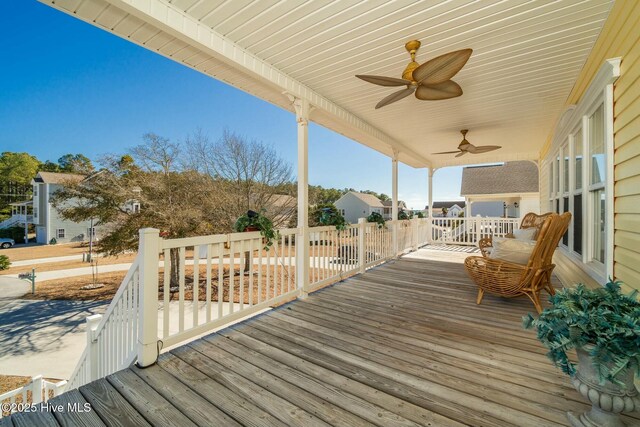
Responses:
[600,91]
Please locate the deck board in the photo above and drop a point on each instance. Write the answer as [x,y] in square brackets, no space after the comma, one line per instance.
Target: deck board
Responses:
[403,345]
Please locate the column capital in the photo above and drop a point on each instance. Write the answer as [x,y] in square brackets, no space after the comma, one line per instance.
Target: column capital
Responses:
[302,108]
[396,153]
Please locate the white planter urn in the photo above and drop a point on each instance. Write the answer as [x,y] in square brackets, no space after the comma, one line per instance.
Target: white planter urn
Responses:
[608,400]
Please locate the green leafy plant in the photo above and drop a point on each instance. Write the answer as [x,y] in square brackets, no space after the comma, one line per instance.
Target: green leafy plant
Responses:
[259,222]
[4,262]
[377,218]
[420,215]
[53,241]
[330,216]
[403,215]
[605,318]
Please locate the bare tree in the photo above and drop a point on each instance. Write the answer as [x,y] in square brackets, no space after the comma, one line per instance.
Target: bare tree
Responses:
[157,154]
[251,174]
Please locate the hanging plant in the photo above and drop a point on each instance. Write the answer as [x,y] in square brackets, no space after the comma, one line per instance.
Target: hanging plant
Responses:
[254,221]
[377,218]
[331,216]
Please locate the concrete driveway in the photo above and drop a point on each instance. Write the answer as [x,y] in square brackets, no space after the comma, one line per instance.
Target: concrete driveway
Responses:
[43,337]
[12,287]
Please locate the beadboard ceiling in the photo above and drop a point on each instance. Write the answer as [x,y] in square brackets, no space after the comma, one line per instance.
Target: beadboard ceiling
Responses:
[527,55]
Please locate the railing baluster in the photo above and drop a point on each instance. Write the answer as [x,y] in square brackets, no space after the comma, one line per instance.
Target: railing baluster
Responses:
[181,286]
[166,293]
[260,266]
[220,279]
[208,291]
[196,284]
[232,273]
[250,284]
[243,261]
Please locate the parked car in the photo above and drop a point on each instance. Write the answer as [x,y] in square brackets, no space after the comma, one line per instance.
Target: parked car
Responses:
[6,242]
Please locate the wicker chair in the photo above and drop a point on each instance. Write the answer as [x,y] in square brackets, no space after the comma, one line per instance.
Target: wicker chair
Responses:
[510,280]
[528,221]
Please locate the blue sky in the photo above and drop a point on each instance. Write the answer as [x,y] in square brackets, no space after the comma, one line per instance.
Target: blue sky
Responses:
[69,87]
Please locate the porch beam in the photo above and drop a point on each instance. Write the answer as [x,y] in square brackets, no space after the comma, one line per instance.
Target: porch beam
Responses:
[177,23]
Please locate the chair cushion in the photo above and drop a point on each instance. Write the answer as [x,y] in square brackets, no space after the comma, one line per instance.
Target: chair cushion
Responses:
[525,233]
[512,250]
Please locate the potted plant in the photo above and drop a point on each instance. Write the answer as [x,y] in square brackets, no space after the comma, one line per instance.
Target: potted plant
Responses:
[254,221]
[603,325]
[377,218]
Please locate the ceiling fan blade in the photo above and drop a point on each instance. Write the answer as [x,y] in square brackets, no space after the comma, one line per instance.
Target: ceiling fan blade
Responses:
[445,90]
[448,152]
[442,68]
[384,81]
[484,149]
[395,96]
[462,153]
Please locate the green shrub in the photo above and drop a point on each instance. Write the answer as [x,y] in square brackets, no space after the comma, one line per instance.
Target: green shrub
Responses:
[4,262]
[15,233]
[603,317]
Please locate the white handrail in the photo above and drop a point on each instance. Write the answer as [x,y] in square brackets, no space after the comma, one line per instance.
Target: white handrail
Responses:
[112,337]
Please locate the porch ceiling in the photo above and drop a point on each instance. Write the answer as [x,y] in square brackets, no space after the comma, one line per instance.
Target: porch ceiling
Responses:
[526,58]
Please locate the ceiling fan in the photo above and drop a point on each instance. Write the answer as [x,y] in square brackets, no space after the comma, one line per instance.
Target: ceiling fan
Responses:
[430,81]
[466,147]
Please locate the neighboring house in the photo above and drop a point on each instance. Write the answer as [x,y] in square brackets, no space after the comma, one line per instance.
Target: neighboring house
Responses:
[386,214]
[353,205]
[48,222]
[452,208]
[510,189]
[281,208]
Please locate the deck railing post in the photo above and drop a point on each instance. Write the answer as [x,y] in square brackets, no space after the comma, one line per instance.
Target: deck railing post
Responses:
[362,247]
[415,225]
[36,389]
[149,248]
[92,346]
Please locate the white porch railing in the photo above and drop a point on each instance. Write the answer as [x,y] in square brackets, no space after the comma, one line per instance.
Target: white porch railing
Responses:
[112,338]
[468,231]
[178,289]
[37,391]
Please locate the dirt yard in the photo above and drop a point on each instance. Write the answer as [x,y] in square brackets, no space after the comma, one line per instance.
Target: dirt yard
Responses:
[71,288]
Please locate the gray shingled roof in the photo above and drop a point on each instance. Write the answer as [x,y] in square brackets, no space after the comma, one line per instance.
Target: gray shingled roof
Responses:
[512,177]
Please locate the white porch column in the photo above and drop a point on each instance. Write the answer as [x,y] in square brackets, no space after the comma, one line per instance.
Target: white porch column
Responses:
[394,201]
[149,248]
[430,213]
[302,239]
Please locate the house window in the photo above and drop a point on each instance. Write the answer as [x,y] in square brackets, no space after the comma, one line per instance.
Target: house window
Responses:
[60,233]
[596,184]
[580,178]
[576,227]
[35,191]
[35,212]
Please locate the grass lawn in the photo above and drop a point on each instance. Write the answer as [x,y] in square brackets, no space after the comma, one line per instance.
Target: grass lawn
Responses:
[20,253]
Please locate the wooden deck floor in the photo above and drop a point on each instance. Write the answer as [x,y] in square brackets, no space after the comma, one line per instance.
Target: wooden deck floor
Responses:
[402,345]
